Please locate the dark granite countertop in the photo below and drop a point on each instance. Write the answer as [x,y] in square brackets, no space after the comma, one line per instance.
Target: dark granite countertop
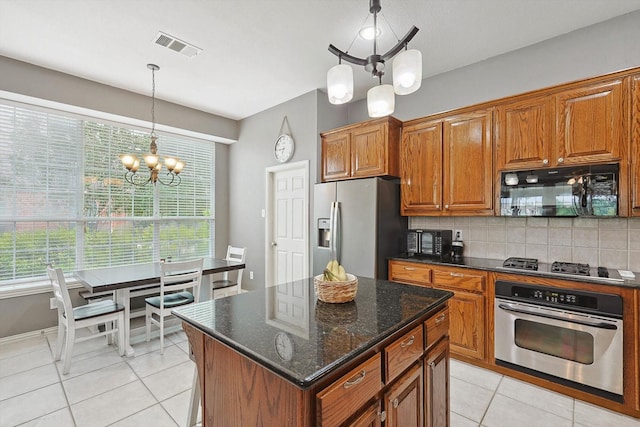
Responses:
[321,336]
[488,264]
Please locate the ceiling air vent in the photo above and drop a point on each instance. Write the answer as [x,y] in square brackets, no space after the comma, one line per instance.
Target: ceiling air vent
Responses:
[177,45]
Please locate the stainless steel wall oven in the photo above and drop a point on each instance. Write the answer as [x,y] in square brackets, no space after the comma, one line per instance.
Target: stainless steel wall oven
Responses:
[567,336]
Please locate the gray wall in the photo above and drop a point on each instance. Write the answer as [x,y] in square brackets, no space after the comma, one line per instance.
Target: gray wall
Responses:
[599,49]
[253,153]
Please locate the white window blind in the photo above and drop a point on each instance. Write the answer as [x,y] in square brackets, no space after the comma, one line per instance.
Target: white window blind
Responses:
[63,197]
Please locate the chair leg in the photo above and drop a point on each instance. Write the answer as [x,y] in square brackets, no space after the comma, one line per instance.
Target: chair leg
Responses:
[108,326]
[194,403]
[147,322]
[161,334]
[60,340]
[68,351]
[121,333]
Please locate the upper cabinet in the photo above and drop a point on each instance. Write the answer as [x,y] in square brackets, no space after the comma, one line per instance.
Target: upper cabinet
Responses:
[362,150]
[635,144]
[580,125]
[446,166]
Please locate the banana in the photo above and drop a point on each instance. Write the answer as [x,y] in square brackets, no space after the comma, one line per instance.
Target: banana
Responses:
[334,272]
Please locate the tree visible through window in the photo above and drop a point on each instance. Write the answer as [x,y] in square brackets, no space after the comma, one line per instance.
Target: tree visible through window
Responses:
[63,197]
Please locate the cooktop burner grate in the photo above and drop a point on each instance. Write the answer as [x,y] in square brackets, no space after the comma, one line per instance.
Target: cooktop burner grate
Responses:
[521,263]
[570,268]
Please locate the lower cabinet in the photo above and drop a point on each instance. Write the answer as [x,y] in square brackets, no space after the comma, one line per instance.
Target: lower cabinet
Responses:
[466,330]
[371,417]
[436,385]
[403,401]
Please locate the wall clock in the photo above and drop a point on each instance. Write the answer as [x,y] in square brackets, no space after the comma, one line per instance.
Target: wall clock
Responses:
[283,148]
[284,346]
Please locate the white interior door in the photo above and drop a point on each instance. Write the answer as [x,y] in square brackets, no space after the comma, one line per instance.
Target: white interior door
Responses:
[287,233]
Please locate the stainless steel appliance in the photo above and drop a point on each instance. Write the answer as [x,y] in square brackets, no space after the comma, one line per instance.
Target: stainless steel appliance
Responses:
[569,191]
[568,336]
[429,243]
[359,221]
[563,269]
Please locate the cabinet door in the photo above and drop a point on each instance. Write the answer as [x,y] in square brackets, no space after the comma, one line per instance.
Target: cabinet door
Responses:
[336,156]
[590,123]
[371,417]
[421,169]
[368,151]
[524,133]
[635,144]
[403,401]
[436,386]
[466,324]
[468,165]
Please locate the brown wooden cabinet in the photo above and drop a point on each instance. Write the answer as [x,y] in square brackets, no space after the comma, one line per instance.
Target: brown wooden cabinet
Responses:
[635,145]
[410,272]
[362,150]
[524,133]
[446,166]
[370,417]
[404,405]
[436,384]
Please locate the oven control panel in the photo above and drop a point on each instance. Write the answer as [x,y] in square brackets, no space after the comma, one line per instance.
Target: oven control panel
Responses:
[556,297]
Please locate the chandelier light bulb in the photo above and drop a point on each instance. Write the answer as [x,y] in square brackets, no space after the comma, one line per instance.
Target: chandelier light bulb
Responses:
[407,72]
[128,160]
[369,33]
[340,84]
[178,167]
[151,160]
[136,165]
[381,101]
[170,162]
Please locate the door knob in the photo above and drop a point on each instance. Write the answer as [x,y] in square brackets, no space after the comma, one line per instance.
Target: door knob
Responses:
[274,244]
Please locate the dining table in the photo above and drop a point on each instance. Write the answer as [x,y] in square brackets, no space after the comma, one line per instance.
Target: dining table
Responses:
[128,281]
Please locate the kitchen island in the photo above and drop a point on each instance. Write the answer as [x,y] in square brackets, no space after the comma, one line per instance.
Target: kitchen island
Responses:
[277,356]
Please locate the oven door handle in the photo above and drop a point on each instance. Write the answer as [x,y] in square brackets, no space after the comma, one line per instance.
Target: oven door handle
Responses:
[600,325]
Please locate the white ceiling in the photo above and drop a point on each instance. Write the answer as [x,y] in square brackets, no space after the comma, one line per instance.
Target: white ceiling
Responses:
[260,53]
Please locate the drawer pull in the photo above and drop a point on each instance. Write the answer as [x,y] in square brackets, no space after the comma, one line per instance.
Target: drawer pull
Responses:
[395,403]
[452,274]
[356,380]
[410,268]
[409,342]
[441,318]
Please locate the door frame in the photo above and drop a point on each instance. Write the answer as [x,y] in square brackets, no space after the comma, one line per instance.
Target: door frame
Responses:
[270,217]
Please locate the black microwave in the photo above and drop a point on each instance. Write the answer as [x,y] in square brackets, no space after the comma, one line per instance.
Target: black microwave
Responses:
[429,243]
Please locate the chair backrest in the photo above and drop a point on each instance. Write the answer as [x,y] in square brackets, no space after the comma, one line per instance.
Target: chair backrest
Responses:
[60,292]
[181,275]
[238,255]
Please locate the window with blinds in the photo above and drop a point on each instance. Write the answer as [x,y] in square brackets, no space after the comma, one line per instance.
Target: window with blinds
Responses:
[63,197]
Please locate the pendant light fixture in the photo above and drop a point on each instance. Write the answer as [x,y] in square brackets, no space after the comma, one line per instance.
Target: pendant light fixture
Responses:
[152,160]
[407,70]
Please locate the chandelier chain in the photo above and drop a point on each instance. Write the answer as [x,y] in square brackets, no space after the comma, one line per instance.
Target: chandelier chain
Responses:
[153,102]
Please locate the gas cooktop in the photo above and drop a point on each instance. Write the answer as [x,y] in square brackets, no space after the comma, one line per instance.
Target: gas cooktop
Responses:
[561,268]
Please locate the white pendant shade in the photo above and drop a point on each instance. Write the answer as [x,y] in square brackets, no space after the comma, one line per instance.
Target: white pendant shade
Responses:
[340,84]
[381,101]
[407,72]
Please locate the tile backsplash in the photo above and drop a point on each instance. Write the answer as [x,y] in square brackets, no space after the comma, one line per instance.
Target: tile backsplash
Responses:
[612,242]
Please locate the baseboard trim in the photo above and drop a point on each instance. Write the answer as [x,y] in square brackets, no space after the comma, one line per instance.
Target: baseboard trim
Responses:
[32,334]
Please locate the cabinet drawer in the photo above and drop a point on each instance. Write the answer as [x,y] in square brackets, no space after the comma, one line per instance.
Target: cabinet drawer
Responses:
[403,352]
[347,395]
[409,272]
[459,279]
[437,326]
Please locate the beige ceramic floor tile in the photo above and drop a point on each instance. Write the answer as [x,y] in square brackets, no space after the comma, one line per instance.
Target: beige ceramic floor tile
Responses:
[115,405]
[88,362]
[506,412]
[171,381]
[535,396]
[593,416]
[154,416]
[61,418]
[178,407]
[27,381]
[153,362]
[28,345]
[456,420]
[24,362]
[99,381]
[474,375]
[469,400]
[32,405]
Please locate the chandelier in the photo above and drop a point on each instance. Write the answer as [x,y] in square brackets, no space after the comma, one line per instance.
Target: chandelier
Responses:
[407,70]
[152,160]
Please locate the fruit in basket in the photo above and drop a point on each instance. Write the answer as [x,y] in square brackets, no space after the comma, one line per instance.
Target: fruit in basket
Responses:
[334,272]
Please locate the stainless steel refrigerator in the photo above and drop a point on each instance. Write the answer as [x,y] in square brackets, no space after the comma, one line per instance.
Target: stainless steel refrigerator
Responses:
[358,222]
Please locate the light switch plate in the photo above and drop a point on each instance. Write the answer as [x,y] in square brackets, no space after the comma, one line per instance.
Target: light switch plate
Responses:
[52,304]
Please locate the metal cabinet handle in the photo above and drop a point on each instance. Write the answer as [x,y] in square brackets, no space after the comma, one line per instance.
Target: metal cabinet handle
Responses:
[446,206]
[409,342]
[437,206]
[456,274]
[441,318]
[409,268]
[432,365]
[395,403]
[356,380]
[382,415]
[560,159]
[545,162]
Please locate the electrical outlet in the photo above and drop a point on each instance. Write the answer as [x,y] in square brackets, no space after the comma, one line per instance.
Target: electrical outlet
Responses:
[251,275]
[457,234]
[52,303]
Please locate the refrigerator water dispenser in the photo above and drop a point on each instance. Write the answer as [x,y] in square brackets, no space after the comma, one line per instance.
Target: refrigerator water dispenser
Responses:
[324,232]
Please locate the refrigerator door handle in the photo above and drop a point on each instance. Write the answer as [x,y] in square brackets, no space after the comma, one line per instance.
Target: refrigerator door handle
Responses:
[336,232]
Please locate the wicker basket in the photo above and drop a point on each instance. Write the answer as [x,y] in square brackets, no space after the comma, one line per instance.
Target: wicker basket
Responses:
[336,292]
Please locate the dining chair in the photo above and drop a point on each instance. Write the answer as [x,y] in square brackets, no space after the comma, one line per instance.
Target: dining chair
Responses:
[175,279]
[227,286]
[71,319]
